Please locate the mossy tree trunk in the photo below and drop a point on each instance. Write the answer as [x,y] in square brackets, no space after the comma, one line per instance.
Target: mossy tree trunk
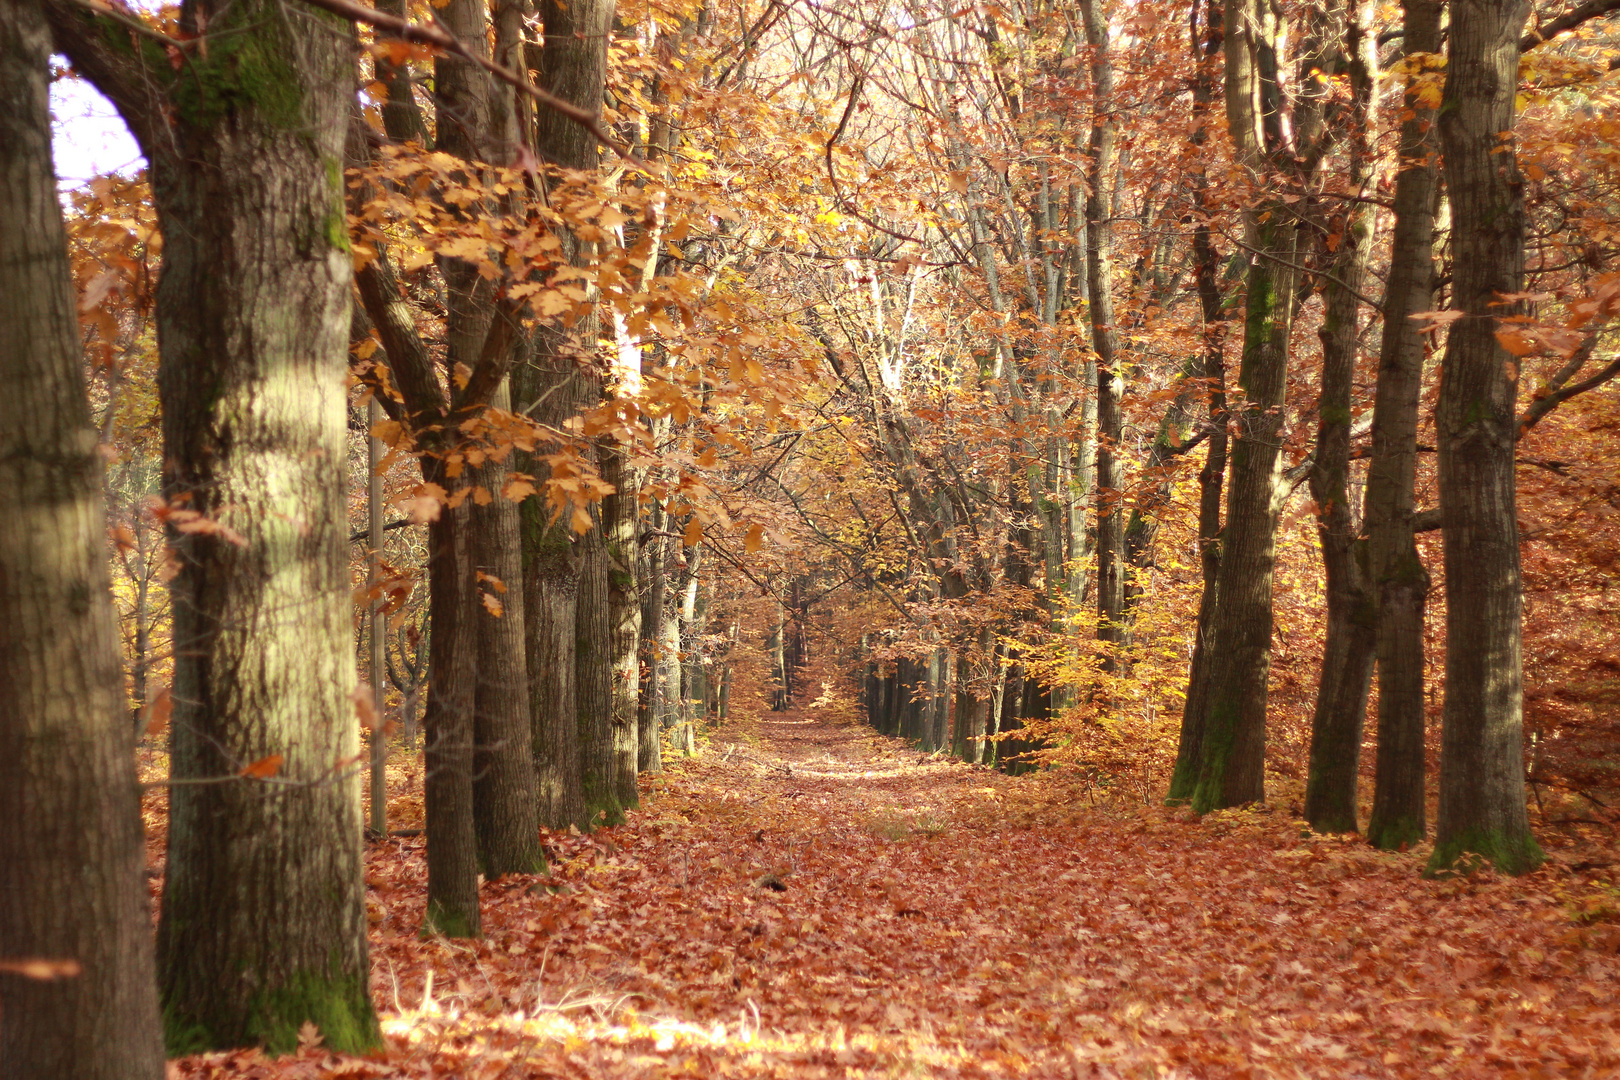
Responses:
[263,925]
[1274,124]
[1399,580]
[71,889]
[1482,796]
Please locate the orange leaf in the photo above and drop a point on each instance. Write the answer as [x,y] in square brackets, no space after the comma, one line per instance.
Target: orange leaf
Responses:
[364,707]
[155,716]
[42,968]
[264,768]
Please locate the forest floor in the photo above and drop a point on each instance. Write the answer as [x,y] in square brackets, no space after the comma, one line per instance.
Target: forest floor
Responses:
[808,899]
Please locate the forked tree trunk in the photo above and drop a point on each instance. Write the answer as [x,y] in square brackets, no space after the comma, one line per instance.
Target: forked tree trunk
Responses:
[263,926]
[1482,797]
[1351,638]
[1399,580]
[1233,748]
[71,888]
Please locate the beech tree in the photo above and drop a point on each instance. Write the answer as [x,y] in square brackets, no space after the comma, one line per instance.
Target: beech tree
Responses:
[1482,796]
[263,922]
[77,986]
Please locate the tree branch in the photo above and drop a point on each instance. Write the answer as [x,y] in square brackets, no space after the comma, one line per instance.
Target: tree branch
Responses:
[420,34]
[1569,20]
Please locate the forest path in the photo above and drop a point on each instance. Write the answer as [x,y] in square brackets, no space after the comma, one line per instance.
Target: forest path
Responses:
[809,899]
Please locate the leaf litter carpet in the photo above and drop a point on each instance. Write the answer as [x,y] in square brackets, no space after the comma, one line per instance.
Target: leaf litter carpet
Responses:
[808,899]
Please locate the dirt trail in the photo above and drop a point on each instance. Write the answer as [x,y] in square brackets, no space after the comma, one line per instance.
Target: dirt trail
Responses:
[809,899]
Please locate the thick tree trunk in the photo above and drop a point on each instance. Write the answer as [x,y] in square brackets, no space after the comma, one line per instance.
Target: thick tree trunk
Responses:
[1349,646]
[1233,748]
[552,392]
[448,725]
[473,123]
[1399,581]
[71,889]
[1234,737]
[1482,797]
[593,674]
[263,926]
[566,577]
[505,795]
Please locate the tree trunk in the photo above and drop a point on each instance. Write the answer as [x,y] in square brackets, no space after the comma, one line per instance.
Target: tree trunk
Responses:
[566,577]
[1399,580]
[448,724]
[619,521]
[1349,647]
[1232,771]
[593,674]
[1482,798]
[1212,478]
[505,794]
[1105,342]
[649,755]
[377,642]
[263,926]
[71,890]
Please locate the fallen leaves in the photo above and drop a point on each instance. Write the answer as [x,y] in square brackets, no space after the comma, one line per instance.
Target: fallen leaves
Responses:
[1027,935]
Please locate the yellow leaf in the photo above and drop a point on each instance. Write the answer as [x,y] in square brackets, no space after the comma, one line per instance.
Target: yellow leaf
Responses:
[462,376]
[755,539]
[581,521]
[694,533]
[492,604]
[264,768]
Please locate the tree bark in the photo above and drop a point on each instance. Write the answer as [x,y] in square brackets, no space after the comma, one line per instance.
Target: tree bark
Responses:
[447,723]
[1212,478]
[1233,749]
[263,926]
[1348,649]
[72,890]
[1482,797]
[566,577]
[649,753]
[1105,341]
[619,521]
[505,794]
[1399,580]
